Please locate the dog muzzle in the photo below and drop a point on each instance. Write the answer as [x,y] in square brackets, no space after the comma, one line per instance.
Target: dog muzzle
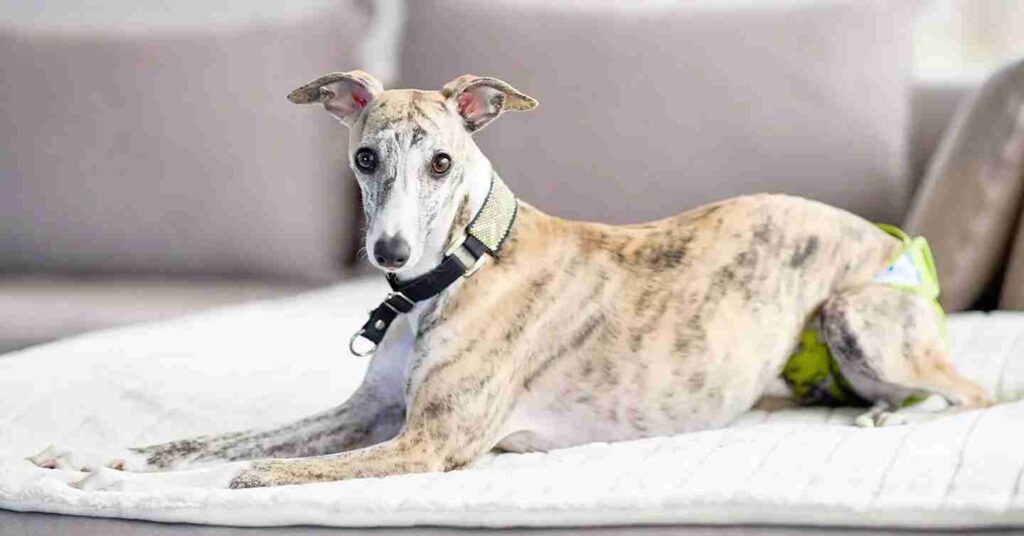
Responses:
[483,237]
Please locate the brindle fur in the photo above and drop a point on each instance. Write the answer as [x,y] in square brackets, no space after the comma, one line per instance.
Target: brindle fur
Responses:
[578,331]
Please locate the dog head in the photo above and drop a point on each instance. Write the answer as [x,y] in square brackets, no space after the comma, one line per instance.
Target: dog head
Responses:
[413,154]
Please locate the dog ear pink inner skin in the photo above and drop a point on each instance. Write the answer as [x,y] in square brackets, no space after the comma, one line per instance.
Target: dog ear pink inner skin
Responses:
[470,107]
[359,99]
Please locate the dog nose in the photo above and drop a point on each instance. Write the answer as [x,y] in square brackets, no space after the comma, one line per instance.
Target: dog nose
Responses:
[391,251]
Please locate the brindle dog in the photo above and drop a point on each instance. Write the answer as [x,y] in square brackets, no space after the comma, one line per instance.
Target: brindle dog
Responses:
[577,332]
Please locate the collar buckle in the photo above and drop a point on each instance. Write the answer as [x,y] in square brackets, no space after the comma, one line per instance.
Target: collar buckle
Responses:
[469,262]
[476,266]
[397,308]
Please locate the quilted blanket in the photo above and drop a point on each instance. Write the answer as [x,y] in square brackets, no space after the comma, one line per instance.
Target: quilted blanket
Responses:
[250,365]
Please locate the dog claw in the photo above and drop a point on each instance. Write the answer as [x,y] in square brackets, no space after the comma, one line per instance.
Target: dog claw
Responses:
[49,458]
[48,464]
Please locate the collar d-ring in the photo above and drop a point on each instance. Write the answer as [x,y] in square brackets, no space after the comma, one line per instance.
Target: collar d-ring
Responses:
[352,345]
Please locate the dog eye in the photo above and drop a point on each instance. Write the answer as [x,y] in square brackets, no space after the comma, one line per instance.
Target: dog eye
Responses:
[440,164]
[366,160]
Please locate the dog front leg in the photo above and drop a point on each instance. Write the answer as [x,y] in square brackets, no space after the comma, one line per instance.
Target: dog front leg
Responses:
[405,453]
[454,417]
[374,413]
[368,417]
[364,419]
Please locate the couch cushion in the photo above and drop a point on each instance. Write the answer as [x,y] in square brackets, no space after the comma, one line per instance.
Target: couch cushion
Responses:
[968,202]
[41,308]
[650,110]
[151,141]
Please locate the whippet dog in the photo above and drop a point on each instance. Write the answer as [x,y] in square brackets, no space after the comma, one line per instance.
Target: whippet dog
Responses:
[511,329]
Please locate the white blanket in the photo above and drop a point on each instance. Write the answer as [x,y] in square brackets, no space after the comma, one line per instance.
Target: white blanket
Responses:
[247,366]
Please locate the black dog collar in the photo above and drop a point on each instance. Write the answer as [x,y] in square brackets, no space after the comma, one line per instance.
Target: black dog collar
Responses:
[484,235]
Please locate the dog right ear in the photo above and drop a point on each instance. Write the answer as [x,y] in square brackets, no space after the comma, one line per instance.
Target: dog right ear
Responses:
[343,95]
[481,99]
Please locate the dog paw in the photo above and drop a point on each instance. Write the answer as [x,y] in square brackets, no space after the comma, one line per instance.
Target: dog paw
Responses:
[106,479]
[878,419]
[41,473]
[60,457]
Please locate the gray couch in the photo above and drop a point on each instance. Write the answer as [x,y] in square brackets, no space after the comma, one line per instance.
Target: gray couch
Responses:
[153,166]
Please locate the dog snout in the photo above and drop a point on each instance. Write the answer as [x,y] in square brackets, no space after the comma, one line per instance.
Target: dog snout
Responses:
[391,251]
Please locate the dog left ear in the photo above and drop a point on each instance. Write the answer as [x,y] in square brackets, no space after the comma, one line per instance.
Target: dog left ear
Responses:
[343,95]
[479,99]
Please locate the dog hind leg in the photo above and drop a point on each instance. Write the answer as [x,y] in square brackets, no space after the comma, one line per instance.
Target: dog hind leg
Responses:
[890,346]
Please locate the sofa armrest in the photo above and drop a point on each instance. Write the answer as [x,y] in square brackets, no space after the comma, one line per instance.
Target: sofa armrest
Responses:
[970,197]
[933,103]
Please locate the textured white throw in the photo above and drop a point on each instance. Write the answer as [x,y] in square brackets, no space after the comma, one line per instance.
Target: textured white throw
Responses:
[266,362]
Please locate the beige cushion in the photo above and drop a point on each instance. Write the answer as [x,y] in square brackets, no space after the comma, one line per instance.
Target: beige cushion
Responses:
[648,111]
[969,200]
[165,143]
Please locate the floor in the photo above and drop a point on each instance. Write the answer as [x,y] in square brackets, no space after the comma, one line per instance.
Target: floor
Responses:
[22,524]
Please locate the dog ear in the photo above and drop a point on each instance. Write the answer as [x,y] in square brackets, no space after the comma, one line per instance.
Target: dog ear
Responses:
[344,95]
[479,99]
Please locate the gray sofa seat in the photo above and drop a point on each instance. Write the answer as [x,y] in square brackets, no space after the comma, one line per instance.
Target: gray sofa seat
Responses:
[154,139]
[36,308]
